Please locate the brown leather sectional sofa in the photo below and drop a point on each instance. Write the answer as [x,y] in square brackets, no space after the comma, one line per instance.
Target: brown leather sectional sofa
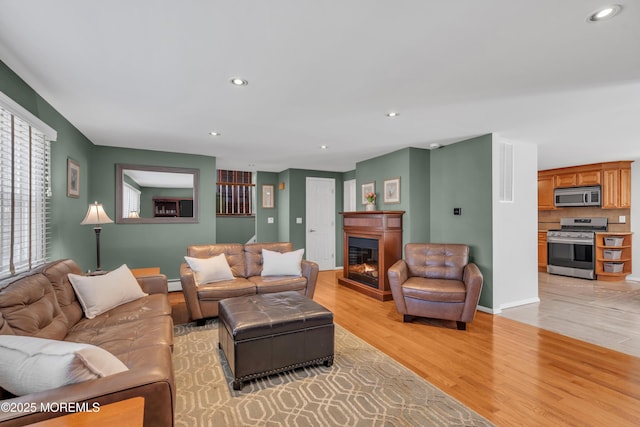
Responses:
[42,303]
[246,265]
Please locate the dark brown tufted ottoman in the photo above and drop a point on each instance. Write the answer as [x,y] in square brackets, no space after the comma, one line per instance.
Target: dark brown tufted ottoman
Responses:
[265,334]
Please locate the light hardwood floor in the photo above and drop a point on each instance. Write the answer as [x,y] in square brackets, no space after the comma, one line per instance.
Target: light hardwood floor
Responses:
[512,373]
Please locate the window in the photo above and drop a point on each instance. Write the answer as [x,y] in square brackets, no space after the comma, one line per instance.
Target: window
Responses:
[130,201]
[24,188]
[234,195]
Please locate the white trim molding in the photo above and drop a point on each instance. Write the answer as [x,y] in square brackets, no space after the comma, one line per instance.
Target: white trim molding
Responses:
[18,110]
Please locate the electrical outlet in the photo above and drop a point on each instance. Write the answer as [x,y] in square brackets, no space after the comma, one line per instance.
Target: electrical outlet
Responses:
[270,220]
[622,219]
[298,220]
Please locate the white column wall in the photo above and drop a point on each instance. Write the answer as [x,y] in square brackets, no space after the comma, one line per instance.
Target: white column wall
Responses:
[515,229]
[635,220]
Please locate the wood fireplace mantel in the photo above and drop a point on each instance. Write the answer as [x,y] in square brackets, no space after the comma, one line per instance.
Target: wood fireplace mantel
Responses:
[386,228]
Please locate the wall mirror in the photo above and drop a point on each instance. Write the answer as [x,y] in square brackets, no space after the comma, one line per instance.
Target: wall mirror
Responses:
[156,194]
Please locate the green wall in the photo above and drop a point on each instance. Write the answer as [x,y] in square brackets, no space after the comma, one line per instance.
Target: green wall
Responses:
[235,229]
[297,206]
[69,239]
[151,245]
[266,232]
[411,165]
[461,177]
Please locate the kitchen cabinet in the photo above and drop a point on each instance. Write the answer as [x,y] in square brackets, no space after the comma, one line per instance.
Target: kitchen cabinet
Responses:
[616,186]
[613,177]
[577,179]
[545,192]
[542,251]
[613,256]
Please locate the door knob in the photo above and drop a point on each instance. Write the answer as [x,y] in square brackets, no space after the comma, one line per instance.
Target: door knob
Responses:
[312,230]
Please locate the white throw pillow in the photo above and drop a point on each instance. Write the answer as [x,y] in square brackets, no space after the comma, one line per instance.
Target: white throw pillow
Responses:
[281,264]
[208,270]
[98,294]
[29,365]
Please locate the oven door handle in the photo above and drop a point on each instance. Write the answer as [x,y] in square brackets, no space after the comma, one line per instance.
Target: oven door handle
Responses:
[570,241]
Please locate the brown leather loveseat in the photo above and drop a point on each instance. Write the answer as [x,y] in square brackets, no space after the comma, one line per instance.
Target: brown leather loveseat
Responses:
[436,280]
[246,265]
[42,304]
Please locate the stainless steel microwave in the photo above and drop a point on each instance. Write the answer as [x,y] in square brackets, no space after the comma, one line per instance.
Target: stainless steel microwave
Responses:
[577,196]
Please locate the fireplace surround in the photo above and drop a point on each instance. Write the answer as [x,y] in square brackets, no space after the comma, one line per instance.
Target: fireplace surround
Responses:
[372,243]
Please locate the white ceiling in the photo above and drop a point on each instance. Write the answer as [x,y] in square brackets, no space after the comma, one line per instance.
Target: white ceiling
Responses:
[160,179]
[154,74]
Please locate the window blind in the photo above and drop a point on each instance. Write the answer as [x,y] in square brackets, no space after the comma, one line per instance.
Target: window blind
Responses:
[25,193]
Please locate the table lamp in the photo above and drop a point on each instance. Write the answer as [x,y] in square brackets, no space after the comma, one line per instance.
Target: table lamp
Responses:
[96,216]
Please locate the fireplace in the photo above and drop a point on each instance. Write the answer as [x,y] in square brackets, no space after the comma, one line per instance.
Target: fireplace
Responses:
[372,244]
[363,260]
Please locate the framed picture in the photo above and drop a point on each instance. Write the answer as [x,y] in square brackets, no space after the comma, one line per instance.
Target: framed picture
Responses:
[73,178]
[267,196]
[391,190]
[367,188]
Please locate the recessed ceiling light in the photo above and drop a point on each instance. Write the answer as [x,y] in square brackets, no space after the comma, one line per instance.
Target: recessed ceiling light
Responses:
[239,82]
[392,114]
[214,133]
[324,147]
[607,12]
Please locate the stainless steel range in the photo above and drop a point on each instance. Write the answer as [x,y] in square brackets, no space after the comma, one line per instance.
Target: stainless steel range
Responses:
[571,250]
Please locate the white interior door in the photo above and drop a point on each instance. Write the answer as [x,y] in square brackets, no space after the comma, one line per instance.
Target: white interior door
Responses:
[320,224]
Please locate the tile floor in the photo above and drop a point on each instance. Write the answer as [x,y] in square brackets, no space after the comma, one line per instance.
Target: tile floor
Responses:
[602,313]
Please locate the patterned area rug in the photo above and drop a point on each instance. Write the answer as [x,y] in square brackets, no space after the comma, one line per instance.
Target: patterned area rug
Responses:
[364,387]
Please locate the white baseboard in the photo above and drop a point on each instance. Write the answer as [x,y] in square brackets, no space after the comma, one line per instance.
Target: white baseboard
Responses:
[175,286]
[519,303]
[508,305]
[633,278]
[488,310]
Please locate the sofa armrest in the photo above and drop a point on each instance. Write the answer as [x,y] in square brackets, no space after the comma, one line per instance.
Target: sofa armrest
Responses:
[190,292]
[154,284]
[398,273]
[473,279]
[310,271]
[154,381]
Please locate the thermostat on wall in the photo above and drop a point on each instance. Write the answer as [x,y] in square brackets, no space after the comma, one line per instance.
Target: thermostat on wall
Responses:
[457,211]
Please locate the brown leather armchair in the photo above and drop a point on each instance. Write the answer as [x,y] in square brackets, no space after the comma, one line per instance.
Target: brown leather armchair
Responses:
[436,280]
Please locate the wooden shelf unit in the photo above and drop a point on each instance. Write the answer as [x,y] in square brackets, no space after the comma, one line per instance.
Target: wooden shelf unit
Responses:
[168,207]
[625,256]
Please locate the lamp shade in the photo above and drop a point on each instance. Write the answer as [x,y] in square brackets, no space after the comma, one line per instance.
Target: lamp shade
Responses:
[96,215]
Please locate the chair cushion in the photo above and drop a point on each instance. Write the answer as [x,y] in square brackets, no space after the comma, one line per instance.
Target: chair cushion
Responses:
[29,365]
[270,284]
[437,290]
[208,270]
[281,264]
[436,260]
[226,289]
[99,294]
[234,252]
[253,254]
[29,307]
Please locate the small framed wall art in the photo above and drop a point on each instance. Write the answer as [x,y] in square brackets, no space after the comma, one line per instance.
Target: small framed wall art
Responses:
[392,190]
[367,188]
[73,178]
[267,196]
